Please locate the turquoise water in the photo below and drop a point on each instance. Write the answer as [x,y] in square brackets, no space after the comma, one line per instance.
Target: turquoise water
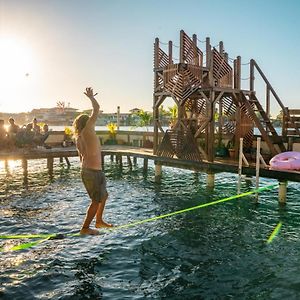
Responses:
[218,252]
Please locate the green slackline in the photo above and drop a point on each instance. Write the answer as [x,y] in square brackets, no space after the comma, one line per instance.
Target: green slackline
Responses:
[269,187]
[274,233]
[59,236]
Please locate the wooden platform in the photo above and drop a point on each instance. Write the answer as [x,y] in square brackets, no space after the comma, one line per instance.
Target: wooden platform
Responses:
[219,165]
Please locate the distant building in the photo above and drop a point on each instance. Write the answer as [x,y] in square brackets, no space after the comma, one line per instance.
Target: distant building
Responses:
[54,116]
[64,116]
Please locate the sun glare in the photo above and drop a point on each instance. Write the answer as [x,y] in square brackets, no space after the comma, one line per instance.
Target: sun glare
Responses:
[16,65]
[9,165]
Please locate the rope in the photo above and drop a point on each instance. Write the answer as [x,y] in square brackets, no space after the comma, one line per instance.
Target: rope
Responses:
[269,187]
[54,236]
[274,233]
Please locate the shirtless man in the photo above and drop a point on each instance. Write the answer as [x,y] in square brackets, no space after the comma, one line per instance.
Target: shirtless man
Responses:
[93,178]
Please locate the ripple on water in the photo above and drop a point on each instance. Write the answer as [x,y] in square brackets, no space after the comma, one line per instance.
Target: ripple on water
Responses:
[212,253]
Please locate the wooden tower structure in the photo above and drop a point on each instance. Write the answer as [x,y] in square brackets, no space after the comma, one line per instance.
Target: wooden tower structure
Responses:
[206,88]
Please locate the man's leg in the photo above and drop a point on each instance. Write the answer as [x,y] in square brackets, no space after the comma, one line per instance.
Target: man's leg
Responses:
[90,214]
[99,214]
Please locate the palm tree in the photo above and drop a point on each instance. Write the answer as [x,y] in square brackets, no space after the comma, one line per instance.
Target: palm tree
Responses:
[145,118]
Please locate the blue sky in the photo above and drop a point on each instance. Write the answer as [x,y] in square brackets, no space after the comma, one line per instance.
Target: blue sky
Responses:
[68,45]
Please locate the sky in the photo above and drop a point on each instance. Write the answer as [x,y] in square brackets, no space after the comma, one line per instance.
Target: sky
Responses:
[51,51]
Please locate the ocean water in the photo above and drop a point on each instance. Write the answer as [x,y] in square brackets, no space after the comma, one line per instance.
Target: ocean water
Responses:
[217,252]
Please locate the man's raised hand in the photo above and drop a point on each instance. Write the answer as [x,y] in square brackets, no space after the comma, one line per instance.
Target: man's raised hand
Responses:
[89,93]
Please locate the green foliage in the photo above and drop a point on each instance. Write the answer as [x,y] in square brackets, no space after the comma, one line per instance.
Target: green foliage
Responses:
[173,111]
[68,133]
[112,128]
[144,118]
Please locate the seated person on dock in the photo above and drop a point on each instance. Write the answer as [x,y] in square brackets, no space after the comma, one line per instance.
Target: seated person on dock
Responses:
[44,133]
[24,137]
[93,178]
[35,127]
[12,131]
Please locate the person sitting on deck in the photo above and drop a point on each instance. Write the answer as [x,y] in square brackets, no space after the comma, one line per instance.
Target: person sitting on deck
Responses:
[45,132]
[93,178]
[35,127]
[24,137]
[12,131]
[3,135]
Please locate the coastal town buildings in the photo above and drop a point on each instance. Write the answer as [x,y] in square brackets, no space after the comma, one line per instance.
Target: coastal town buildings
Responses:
[65,116]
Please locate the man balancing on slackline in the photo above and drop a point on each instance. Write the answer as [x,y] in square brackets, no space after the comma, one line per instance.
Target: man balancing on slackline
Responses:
[93,178]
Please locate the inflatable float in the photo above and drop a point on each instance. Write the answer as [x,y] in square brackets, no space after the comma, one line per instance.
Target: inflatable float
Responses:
[289,160]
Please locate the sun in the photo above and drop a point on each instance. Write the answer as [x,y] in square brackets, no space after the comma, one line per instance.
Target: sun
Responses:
[16,66]
[15,58]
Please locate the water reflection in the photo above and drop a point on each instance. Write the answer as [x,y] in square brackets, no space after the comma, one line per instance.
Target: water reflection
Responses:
[211,253]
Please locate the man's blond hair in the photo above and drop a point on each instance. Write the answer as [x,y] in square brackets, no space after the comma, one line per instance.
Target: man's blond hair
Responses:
[79,123]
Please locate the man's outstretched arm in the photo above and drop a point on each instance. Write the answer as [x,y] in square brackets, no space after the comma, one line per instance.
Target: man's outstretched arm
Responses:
[96,107]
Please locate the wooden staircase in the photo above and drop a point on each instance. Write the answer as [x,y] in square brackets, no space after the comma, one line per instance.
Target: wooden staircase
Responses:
[263,123]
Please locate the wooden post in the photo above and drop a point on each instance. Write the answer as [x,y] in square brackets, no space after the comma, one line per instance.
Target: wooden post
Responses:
[158,171]
[252,75]
[156,48]
[238,65]
[50,161]
[134,161]
[226,56]
[268,102]
[155,129]
[6,166]
[208,52]
[25,167]
[257,166]
[129,162]
[234,74]
[170,52]
[210,180]
[145,167]
[120,161]
[237,136]
[282,192]
[181,50]
[221,48]
[196,57]
[211,127]
[290,143]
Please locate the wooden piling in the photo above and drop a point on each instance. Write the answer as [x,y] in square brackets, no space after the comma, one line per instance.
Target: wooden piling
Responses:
[145,167]
[210,180]
[282,192]
[50,161]
[129,162]
[25,167]
[158,171]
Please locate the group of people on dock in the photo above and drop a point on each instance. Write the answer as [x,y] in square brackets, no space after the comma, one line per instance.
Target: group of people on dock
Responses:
[26,136]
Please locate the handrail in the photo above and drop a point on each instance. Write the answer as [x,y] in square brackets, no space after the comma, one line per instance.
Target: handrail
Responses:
[253,63]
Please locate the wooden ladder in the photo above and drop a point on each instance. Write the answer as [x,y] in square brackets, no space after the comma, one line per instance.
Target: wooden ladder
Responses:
[253,106]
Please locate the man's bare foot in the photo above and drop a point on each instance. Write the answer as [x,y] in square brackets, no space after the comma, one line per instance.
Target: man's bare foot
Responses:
[89,231]
[103,224]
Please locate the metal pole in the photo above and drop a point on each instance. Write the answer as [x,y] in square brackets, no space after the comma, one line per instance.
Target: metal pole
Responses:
[118,118]
[240,166]
[257,166]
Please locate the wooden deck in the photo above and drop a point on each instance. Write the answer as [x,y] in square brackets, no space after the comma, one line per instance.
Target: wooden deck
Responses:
[219,165]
